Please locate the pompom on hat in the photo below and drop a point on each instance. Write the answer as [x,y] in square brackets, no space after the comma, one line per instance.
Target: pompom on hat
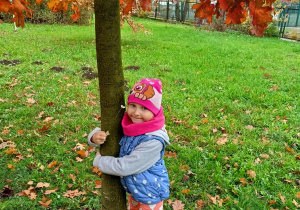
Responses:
[148,93]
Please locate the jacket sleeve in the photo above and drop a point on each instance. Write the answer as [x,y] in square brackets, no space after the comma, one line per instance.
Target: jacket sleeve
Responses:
[144,156]
[90,137]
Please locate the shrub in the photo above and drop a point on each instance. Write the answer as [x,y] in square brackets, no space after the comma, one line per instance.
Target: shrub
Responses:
[272,30]
[41,14]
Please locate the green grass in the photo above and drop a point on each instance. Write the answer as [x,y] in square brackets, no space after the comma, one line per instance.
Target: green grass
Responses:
[226,78]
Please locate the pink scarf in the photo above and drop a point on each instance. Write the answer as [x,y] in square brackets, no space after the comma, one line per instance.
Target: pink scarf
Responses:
[136,129]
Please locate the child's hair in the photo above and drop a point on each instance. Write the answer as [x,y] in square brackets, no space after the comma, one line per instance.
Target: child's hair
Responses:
[148,93]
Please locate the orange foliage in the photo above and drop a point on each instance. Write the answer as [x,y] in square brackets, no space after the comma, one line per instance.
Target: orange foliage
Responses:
[236,12]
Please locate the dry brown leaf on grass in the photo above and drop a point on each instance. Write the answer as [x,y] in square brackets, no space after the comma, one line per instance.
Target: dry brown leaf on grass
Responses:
[73,177]
[12,167]
[282,198]
[170,154]
[42,184]
[7,144]
[52,164]
[98,184]
[73,193]
[78,159]
[185,191]
[251,173]
[200,204]
[249,127]
[177,205]
[298,195]
[45,202]
[222,140]
[48,192]
[11,151]
[264,156]
[184,168]
[295,203]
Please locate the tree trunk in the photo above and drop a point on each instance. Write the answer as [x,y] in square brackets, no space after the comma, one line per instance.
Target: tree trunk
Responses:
[185,10]
[111,83]
[177,11]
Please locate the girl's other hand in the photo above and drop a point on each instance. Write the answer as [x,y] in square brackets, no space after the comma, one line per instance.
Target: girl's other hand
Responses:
[99,137]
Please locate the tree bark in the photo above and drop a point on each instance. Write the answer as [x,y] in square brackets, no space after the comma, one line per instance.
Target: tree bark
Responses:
[185,10]
[111,83]
[177,11]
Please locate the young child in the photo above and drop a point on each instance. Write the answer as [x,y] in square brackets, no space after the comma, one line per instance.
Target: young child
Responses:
[140,163]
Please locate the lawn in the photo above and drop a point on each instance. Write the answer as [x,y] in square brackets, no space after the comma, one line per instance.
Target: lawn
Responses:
[231,103]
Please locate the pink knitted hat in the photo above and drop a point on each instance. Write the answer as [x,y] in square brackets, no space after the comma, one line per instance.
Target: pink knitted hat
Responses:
[148,93]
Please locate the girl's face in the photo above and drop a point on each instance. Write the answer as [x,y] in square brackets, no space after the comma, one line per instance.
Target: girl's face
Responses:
[139,113]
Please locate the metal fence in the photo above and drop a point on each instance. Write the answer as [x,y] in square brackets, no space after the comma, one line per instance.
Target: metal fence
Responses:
[169,11]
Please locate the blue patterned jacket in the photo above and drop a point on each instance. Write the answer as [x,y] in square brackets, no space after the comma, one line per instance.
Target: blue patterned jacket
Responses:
[152,185]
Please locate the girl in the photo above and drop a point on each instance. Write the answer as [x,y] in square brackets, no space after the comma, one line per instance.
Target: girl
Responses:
[140,164]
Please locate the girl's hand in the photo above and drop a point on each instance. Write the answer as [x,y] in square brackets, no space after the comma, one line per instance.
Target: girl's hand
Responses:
[99,137]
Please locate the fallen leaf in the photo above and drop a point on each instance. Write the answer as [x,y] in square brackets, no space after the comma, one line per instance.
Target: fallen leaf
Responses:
[11,151]
[295,203]
[96,192]
[83,199]
[30,101]
[177,205]
[251,173]
[185,191]
[170,154]
[298,195]
[249,127]
[272,202]
[200,203]
[45,202]
[281,198]
[184,168]
[222,140]
[205,120]
[48,192]
[226,199]
[264,156]
[5,132]
[243,181]
[7,144]
[72,177]
[289,149]
[42,184]
[98,184]
[12,167]
[213,199]
[274,88]
[82,153]
[78,159]
[73,193]
[52,164]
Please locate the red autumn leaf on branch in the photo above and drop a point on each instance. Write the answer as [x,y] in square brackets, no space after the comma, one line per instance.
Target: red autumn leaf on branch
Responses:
[4,6]
[16,8]
[75,17]
[237,15]
[204,10]
[236,12]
